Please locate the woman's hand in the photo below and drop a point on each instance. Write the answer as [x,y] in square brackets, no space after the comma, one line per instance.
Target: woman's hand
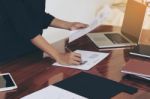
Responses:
[58,23]
[69,58]
[77,25]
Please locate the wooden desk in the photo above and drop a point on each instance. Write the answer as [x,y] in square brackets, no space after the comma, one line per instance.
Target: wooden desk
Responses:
[32,73]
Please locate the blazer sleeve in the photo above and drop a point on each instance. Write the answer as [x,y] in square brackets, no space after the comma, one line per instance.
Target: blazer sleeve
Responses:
[22,22]
[47,19]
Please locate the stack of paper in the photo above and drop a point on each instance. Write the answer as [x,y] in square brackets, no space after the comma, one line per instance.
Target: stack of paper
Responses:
[138,68]
[89,60]
[53,92]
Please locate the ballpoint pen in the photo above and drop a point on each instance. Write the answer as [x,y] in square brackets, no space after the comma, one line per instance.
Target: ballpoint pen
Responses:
[69,50]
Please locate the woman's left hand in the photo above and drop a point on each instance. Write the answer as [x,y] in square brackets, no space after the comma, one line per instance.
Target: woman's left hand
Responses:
[77,25]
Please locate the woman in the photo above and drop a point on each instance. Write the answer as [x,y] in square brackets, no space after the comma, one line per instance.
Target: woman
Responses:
[21,24]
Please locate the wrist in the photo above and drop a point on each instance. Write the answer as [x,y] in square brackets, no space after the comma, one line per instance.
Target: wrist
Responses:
[61,24]
[54,54]
[68,25]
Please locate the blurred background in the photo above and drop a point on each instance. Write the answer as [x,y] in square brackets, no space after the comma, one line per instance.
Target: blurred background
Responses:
[85,11]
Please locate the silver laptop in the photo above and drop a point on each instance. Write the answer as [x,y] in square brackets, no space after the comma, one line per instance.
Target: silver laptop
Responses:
[130,31]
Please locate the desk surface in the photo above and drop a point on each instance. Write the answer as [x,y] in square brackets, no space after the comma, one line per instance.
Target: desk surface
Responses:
[32,73]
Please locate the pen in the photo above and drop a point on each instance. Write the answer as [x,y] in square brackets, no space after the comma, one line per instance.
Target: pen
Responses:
[69,50]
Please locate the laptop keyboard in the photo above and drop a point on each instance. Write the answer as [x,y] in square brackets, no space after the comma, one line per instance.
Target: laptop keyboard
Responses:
[116,38]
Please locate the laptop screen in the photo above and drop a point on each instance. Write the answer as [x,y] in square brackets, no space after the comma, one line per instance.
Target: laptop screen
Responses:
[133,20]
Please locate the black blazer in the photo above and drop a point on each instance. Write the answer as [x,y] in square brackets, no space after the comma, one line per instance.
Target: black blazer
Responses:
[20,21]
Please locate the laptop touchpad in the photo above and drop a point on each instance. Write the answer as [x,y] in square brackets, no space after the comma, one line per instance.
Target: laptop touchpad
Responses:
[99,39]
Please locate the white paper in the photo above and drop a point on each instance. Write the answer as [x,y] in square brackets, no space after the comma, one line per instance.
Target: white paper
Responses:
[147,1]
[147,78]
[137,74]
[105,12]
[148,12]
[53,92]
[89,58]
[148,8]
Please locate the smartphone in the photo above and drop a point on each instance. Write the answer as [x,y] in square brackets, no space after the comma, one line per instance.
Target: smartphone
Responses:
[7,82]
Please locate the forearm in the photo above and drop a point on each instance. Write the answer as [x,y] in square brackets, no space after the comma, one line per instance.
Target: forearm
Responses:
[61,24]
[41,43]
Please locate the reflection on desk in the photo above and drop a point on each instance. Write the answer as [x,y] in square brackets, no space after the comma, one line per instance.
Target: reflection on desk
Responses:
[32,73]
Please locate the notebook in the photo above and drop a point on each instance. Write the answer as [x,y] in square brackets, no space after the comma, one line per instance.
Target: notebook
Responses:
[94,87]
[130,31]
[141,50]
[138,68]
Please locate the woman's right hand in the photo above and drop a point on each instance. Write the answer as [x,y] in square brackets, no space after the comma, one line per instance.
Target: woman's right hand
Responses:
[69,58]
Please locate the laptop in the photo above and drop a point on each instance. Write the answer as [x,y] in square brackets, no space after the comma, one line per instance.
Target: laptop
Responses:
[141,50]
[130,31]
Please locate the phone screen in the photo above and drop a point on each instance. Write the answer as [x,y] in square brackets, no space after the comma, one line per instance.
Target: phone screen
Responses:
[6,81]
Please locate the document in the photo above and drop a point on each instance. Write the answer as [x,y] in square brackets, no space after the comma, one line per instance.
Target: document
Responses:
[105,12]
[147,78]
[53,92]
[89,59]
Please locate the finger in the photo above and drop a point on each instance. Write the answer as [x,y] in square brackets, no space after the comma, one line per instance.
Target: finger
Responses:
[80,25]
[75,62]
[78,59]
[84,25]
[76,54]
